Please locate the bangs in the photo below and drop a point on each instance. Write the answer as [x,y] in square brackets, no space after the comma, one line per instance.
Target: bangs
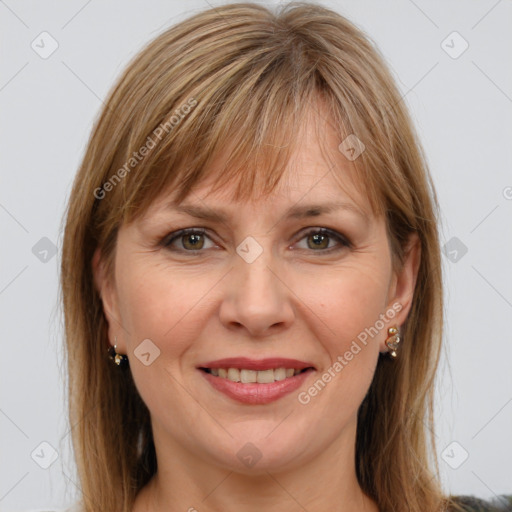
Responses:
[251,104]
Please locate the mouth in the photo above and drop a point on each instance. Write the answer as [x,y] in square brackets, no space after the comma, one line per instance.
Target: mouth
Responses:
[247,376]
[256,381]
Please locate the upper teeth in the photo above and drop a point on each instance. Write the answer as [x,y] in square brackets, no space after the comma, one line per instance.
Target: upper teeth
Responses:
[248,376]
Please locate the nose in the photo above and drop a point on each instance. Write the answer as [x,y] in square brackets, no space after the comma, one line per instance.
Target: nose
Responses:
[256,298]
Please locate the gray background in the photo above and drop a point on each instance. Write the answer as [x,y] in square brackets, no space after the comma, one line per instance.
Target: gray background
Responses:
[462,105]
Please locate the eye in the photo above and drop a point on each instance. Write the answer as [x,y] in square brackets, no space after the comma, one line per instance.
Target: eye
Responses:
[318,239]
[193,240]
[188,240]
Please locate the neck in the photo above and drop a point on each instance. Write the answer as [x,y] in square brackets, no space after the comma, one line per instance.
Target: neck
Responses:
[184,482]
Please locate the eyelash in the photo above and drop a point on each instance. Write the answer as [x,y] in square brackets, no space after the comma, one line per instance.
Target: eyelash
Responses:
[169,239]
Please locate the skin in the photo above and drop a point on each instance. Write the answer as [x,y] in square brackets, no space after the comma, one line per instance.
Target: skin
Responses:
[294,300]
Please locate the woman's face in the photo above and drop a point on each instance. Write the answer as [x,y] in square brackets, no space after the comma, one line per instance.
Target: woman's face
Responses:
[262,286]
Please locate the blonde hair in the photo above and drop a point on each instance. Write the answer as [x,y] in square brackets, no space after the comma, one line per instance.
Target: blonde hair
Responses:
[242,76]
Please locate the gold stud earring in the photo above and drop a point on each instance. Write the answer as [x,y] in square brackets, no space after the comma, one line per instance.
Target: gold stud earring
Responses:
[393,340]
[120,359]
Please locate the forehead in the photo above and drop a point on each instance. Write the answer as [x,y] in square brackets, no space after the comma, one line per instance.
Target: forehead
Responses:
[317,172]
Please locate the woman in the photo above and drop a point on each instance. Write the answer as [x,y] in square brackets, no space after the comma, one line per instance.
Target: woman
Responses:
[225,349]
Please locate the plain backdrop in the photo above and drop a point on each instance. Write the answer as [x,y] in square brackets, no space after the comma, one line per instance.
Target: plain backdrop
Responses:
[452,62]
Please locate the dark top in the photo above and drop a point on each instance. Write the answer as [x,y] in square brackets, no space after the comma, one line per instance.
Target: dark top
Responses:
[471,504]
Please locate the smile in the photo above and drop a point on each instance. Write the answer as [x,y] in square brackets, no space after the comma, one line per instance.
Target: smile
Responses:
[246,376]
[256,382]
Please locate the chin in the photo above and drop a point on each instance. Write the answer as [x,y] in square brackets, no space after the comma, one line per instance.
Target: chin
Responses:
[258,449]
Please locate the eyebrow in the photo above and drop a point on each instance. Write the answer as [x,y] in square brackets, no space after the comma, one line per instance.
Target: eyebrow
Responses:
[294,212]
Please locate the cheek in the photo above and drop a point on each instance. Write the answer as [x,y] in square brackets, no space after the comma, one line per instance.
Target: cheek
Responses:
[163,305]
[348,300]
[348,303]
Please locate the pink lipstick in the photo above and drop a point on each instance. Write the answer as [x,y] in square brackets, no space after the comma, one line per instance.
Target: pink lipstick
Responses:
[256,381]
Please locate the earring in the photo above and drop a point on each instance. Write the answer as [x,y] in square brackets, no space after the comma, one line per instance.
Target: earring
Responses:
[393,340]
[120,359]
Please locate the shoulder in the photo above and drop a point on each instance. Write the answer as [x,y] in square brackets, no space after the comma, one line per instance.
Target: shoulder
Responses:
[501,503]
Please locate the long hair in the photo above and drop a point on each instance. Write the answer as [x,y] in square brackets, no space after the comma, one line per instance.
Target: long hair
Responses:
[242,76]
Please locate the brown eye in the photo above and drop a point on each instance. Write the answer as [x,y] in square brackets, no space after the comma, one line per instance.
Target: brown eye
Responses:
[192,241]
[187,240]
[318,241]
[325,240]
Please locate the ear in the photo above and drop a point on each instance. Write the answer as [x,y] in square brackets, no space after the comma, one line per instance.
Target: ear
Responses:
[107,291]
[403,283]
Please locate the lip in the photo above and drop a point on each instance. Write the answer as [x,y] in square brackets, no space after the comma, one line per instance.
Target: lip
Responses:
[257,364]
[256,393]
